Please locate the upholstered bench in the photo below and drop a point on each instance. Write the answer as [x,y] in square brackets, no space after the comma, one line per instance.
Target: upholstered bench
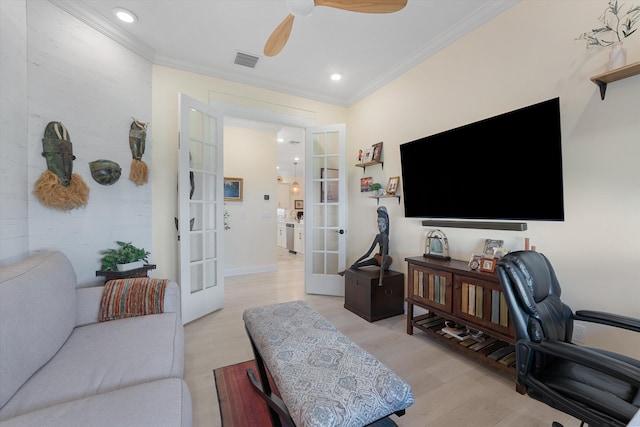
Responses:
[323,377]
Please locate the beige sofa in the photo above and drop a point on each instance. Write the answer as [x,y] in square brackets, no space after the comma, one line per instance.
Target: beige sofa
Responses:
[60,366]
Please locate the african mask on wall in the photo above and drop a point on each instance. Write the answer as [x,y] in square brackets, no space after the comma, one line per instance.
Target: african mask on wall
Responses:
[137,139]
[58,187]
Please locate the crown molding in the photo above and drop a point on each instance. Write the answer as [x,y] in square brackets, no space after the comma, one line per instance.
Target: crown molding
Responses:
[454,33]
[99,23]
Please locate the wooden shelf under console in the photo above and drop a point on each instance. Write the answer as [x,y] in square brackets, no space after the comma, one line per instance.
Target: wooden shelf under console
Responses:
[450,291]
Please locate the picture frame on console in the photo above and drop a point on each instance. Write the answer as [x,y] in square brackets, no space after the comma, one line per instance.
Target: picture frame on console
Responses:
[490,245]
[488,265]
[474,262]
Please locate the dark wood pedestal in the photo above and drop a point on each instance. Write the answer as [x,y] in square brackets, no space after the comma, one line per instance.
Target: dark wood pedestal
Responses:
[365,297]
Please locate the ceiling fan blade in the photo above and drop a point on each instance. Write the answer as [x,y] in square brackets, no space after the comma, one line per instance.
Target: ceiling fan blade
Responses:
[279,37]
[366,6]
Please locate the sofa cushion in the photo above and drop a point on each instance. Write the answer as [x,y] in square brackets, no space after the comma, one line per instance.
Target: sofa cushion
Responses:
[37,315]
[136,296]
[155,404]
[102,357]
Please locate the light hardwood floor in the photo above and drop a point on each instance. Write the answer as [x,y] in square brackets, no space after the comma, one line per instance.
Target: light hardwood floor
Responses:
[450,389]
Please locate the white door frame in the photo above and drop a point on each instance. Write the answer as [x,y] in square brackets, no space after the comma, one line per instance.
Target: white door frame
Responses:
[329,284]
[201,197]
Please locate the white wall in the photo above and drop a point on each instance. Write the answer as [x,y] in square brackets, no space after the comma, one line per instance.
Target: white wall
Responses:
[94,86]
[526,55]
[14,222]
[250,243]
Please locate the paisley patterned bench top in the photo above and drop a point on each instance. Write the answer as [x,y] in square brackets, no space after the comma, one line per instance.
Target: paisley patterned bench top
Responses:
[324,378]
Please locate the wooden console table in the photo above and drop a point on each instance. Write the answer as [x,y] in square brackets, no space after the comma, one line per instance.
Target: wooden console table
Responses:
[451,291]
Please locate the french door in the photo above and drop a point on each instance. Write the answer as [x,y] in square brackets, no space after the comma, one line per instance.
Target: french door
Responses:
[200,208]
[325,212]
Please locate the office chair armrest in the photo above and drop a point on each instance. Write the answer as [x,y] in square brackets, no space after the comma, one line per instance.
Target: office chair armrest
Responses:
[610,319]
[587,357]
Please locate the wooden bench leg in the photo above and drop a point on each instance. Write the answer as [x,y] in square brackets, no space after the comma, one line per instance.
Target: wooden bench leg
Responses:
[277,408]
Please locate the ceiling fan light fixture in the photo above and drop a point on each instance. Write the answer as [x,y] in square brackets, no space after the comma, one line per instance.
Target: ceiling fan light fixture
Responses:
[301,7]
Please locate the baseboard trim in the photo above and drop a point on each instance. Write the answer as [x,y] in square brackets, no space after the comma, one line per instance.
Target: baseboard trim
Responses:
[250,270]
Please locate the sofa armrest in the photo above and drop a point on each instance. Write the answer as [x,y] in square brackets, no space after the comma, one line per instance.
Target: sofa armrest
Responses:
[89,302]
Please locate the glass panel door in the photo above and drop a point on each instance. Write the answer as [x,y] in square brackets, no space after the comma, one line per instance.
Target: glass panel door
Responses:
[325,217]
[200,206]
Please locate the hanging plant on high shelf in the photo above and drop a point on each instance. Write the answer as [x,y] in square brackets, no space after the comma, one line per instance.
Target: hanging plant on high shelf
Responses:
[616,26]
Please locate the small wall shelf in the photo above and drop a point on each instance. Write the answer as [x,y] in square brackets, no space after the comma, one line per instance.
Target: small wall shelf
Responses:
[138,272]
[384,197]
[364,165]
[614,75]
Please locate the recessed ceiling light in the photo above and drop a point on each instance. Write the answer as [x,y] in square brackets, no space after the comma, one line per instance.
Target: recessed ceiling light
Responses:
[336,76]
[125,15]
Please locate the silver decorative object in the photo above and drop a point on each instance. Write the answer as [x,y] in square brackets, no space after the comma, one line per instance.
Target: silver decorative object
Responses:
[436,245]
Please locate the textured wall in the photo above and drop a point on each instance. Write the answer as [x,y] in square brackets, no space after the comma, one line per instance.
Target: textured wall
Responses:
[93,86]
[13,130]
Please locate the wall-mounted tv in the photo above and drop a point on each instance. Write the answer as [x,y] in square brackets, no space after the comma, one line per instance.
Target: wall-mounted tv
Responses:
[507,167]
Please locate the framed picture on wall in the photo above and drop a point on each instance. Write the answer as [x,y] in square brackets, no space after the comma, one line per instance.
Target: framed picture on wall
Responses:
[232,189]
[298,204]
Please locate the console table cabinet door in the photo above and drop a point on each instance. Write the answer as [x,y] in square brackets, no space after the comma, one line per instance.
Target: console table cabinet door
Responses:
[481,303]
[431,287]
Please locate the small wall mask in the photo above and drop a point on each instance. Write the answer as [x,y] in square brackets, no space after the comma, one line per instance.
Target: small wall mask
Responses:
[105,172]
[137,141]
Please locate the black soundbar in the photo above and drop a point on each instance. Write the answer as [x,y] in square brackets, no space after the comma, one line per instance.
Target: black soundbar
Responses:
[482,225]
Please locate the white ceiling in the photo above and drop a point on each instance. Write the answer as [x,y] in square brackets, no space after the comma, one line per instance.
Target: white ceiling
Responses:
[369,50]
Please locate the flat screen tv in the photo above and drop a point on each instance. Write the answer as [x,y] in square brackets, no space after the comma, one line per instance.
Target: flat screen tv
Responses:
[507,167]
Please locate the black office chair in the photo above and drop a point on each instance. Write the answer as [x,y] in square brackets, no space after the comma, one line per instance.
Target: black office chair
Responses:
[598,387]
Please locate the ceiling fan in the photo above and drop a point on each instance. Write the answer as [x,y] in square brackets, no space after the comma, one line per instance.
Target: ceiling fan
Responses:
[280,35]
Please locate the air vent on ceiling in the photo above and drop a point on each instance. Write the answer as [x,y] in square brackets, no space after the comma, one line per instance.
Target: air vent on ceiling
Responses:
[246,60]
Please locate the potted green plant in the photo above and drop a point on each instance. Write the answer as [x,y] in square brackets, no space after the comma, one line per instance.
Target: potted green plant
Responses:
[124,258]
[616,25]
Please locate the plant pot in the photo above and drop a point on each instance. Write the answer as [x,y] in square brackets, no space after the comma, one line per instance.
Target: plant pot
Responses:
[617,56]
[130,266]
